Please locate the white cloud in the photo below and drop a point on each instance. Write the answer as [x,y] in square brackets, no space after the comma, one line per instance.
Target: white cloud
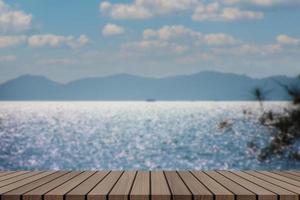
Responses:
[82,40]
[112,29]
[141,9]
[261,3]
[7,41]
[13,20]
[271,3]
[287,40]
[47,40]
[8,58]
[249,49]
[105,6]
[178,39]
[215,12]
[166,33]
[145,45]
[124,11]
[166,40]
[202,10]
[57,40]
[219,39]
[170,32]
[43,40]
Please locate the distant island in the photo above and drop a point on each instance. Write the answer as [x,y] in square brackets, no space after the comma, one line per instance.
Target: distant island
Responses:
[203,86]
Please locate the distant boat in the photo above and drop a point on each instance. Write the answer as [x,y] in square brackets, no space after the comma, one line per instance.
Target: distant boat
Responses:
[150,100]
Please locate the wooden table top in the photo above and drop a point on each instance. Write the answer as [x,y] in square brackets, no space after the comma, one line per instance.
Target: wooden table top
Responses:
[150,185]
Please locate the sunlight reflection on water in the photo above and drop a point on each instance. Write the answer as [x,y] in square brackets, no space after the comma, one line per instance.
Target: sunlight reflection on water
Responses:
[131,135]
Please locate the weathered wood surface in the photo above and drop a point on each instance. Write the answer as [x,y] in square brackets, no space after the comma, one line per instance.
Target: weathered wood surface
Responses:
[150,185]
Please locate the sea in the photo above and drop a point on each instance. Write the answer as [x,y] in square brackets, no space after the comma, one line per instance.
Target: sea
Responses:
[136,135]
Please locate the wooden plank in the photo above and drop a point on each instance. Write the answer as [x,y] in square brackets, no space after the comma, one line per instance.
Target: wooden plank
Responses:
[261,192]
[59,192]
[276,182]
[38,193]
[288,175]
[199,191]
[11,175]
[169,185]
[18,178]
[282,178]
[122,188]
[293,173]
[220,192]
[240,192]
[105,186]
[283,193]
[159,186]
[23,182]
[79,192]
[178,189]
[4,173]
[141,187]
[17,193]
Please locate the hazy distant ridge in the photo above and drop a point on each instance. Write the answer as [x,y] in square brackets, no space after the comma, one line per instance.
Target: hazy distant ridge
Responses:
[200,86]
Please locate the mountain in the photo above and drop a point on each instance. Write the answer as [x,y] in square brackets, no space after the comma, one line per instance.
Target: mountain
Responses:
[201,86]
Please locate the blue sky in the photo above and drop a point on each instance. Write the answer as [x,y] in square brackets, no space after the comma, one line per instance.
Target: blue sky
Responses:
[65,40]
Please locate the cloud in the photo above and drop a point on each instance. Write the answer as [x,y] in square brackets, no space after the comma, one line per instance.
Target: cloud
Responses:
[8,58]
[188,45]
[8,41]
[43,40]
[272,3]
[145,45]
[287,40]
[13,20]
[154,47]
[200,10]
[261,4]
[112,29]
[166,40]
[170,32]
[125,11]
[215,12]
[219,39]
[249,50]
[141,9]
[57,40]
[178,39]
[179,31]
[81,41]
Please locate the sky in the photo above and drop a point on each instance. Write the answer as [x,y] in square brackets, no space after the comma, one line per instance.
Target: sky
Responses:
[67,40]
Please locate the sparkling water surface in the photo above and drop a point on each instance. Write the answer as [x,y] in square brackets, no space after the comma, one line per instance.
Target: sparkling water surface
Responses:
[133,135]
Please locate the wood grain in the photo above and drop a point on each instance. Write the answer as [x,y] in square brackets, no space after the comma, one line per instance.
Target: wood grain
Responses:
[149,185]
[141,186]
[220,192]
[159,186]
[101,191]
[240,192]
[178,189]
[79,192]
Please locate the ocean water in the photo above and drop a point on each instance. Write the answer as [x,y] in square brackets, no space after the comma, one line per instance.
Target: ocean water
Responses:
[133,135]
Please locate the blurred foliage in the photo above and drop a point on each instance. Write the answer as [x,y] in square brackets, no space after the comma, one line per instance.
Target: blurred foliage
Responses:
[284,127]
